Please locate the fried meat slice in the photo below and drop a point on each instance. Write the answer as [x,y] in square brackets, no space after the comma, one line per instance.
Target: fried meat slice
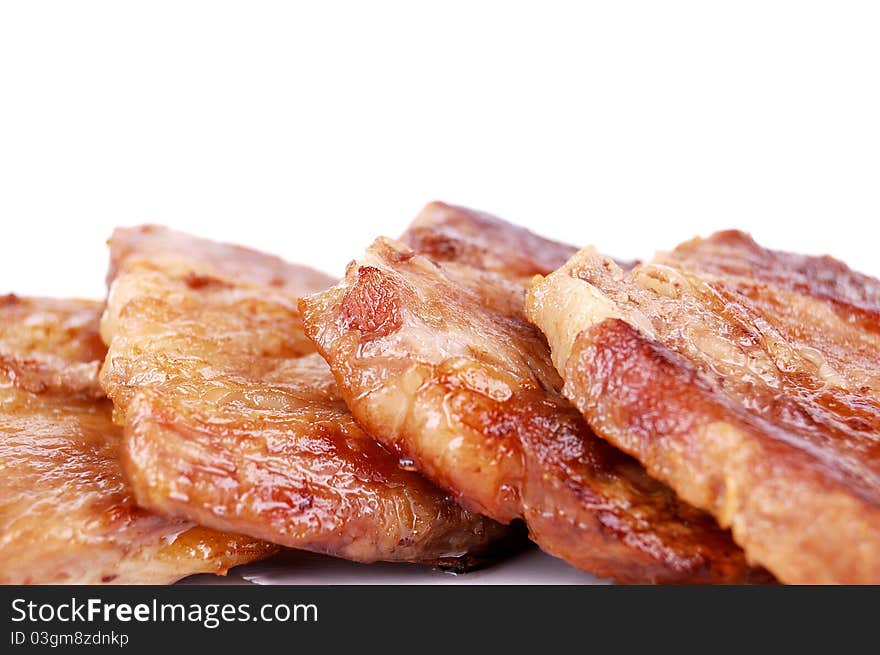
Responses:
[435,357]
[232,421]
[67,516]
[447,233]
[745,378]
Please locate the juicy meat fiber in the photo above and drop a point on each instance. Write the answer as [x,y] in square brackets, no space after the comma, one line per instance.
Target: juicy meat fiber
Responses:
[66,513]
[747,379]
[436,358]
[232,421]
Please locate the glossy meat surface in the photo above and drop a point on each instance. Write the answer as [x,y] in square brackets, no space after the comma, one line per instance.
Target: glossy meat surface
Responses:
[232,421]
[437,359]
[67,515]
[745,378]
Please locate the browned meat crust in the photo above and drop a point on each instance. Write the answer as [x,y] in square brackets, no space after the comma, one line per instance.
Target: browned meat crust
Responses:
[436,358]
[745,378]
[446,233]
[231,421]
[66,513]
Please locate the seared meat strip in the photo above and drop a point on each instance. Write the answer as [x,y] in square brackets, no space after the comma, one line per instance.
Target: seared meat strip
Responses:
[446,233]
[436,358]
[747,379]
[232,421]
[67,516]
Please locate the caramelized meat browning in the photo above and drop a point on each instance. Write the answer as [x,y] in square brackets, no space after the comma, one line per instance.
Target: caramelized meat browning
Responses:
[66,513]
[436,358]
[446,233]
[745,378]
[232,421]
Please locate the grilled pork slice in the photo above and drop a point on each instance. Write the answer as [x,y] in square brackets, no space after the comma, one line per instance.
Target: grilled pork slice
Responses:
[436,358]
[66,513]
[747,379]
[232,421]
[446,233]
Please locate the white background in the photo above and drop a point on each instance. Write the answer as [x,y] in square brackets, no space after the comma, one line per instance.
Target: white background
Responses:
[308,129]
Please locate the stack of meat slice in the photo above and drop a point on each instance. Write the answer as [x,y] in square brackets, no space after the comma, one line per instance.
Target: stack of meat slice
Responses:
[431,350]
[67,515]
[712,416]
[230,419]
[228,425]
[746,379]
